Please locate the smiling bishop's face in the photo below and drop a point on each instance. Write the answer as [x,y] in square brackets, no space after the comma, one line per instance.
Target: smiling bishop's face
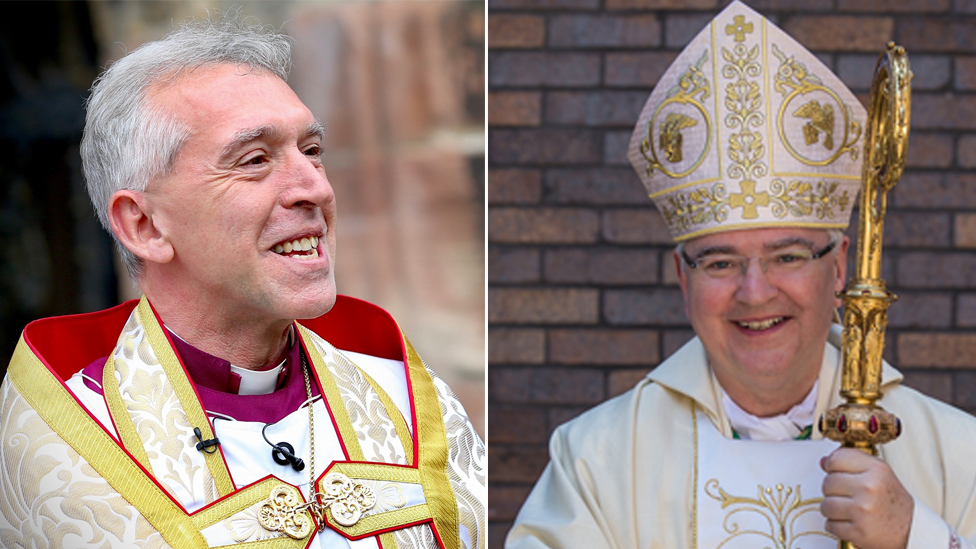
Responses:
[764,328]
[247,205]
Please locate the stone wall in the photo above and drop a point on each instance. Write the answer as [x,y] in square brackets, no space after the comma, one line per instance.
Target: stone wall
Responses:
[400,88]
[582,296]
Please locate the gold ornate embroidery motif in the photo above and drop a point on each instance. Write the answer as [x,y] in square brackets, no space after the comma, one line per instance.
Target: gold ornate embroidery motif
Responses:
[682,210]
[801,198]
[389,496]
[282,512]
[749,200]
[739,28]
[686,96]
[347,499]
[821,121]
[744,103]
[793,81]
[671,138]
[779,511]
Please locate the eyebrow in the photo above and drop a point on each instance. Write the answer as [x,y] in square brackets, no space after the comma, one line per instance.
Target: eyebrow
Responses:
[771,246]
[245,136]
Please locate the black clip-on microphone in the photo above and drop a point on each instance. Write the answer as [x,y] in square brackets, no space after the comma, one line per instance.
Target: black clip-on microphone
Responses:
[283,453]
[209,446]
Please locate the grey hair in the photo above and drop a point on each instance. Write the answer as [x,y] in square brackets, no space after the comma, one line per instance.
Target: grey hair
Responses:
[128,141]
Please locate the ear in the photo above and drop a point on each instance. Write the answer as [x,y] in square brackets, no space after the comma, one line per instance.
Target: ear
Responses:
[682,276]
[132,222]
[840,268]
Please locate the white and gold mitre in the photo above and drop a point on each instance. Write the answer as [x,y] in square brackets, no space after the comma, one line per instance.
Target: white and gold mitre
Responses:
[747,129]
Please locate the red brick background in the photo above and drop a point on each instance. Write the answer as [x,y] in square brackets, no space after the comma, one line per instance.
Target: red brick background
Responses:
[582,298]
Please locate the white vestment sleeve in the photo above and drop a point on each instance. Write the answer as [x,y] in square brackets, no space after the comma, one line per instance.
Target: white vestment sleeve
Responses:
[561,511]
[930,531]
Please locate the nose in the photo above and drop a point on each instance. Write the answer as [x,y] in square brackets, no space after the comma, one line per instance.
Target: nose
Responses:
[755,286]
[305,183]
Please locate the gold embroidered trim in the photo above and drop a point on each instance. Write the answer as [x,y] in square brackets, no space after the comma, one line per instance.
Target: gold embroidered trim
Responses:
[802,198]
[433,451]
[434,482]
[333,399]
[388,541]
[177,378]
[377,471]
[682,210]
[793,81]
[55,405]
[389,520]
[233,504]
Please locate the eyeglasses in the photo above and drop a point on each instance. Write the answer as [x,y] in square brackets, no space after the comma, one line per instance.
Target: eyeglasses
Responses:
[784,262]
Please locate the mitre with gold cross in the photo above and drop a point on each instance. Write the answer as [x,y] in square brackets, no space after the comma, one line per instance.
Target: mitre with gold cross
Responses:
[748,129]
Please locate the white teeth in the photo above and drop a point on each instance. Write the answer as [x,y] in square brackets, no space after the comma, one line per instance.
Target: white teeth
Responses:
[307,244]
[762,324]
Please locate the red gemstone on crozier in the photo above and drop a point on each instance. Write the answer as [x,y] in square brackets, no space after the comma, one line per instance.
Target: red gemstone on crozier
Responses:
[873,425]
[842,424]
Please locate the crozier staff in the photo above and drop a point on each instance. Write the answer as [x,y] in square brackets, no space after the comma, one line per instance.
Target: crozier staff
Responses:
[204,415]
[716,447]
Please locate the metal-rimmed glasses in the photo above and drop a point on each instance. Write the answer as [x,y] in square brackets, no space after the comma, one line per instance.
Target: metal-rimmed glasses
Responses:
[782,262]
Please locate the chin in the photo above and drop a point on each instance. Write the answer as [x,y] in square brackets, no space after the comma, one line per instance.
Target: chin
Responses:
[310,303]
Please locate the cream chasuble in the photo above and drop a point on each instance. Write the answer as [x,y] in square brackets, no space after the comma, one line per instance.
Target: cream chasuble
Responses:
[69,484]
[758,494]
[623,475]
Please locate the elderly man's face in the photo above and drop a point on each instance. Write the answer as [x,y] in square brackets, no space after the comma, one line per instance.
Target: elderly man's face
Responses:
[247,186]
[771,322]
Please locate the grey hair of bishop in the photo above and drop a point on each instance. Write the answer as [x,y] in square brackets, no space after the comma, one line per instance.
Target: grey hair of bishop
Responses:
[128,141]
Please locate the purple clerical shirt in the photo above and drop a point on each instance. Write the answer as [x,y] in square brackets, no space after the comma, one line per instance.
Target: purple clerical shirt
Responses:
[217,385]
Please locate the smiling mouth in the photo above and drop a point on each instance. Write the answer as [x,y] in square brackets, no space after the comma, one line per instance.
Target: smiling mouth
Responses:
[300,248]
[761,325]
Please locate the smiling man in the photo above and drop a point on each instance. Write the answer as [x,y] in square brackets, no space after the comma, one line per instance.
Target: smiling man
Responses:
[204,415]
[717,446]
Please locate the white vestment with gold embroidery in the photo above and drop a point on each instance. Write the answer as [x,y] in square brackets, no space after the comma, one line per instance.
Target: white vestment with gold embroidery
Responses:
[58,491]
[635,471]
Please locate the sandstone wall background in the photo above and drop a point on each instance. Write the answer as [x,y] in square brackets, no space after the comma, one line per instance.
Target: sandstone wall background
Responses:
[582,296]
[400,88]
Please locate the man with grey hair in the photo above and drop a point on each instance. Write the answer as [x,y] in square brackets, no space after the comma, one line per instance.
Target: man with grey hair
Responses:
[203,414]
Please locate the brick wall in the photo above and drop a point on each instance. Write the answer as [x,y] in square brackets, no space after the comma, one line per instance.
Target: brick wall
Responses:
[582,298]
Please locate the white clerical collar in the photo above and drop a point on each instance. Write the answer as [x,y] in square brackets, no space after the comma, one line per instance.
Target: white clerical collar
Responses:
[786,426]
[254,382]
[262,382]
